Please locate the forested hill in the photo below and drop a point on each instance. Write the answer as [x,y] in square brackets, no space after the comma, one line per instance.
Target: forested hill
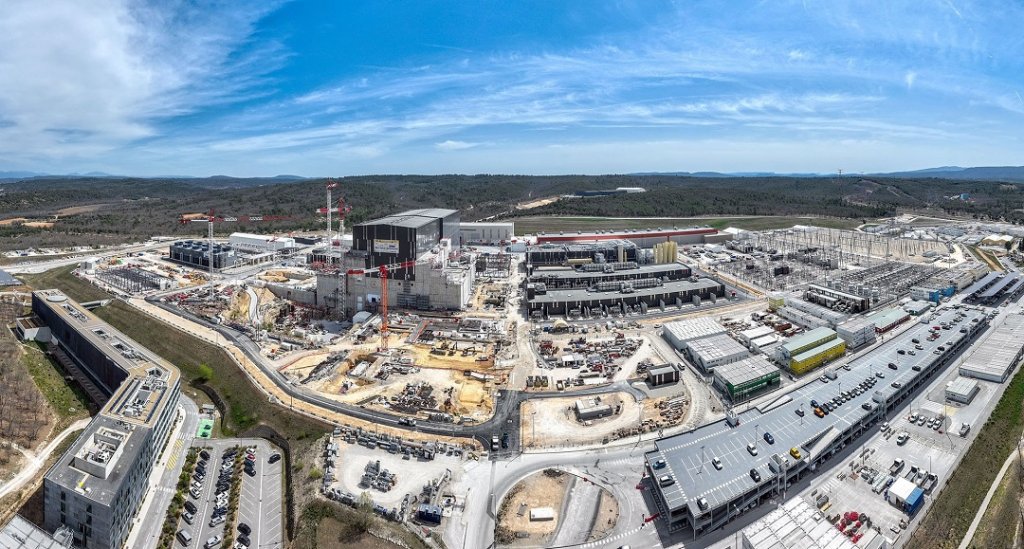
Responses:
[107,209]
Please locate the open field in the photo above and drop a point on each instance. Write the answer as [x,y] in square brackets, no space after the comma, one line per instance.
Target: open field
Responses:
[1000,525]
[61,278]
[330,524]
[547,488]
[954,508]
[533,225]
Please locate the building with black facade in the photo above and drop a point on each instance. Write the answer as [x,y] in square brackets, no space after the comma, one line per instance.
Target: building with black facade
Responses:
[196,253]
[403,236]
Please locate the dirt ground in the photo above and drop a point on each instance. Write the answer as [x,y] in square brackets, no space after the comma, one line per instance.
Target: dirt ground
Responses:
[607,516]
[471,397]
[39,224]
[536,203]
[75,210]
[537,490]
[10,463]
[422,356]
[268,387]
[558,421]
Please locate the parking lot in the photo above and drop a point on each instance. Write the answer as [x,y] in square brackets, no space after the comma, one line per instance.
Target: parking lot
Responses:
[260,499]
[411,474]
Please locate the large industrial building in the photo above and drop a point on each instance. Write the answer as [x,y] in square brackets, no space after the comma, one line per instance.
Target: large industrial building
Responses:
[681,332]
[809,350]
[711,352]
[196,253]
[857,332]
[746,378]
[436,276]
[692,495]
[645,238]
[486,233]
[621,297]
[1003,350]
[97,485]
[562,254]
[260,243]
[591,274]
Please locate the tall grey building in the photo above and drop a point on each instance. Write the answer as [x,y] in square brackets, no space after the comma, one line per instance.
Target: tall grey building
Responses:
[96,487]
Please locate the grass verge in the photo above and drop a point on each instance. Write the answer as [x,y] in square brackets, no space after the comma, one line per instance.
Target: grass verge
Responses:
[953,510]
[1001,521]
[535,224]
[170,528]
[68,401]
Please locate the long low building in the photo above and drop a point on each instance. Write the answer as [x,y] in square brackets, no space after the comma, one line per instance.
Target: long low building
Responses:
[1001,353]
[95,488]
[585,276]
[746,378]
[681,332]
[486,232]
[642,237]
[711,352]
[691,494]
[674,293]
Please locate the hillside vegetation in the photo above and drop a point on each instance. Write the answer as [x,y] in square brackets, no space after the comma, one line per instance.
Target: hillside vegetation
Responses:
[104,210]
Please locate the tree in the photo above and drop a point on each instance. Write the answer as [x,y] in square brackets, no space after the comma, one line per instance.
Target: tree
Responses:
[205,372]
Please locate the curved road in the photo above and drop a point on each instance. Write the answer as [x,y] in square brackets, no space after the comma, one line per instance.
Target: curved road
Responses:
[507,402]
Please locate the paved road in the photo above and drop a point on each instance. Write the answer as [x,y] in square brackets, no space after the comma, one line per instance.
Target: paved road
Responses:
[162,485]
[34,461]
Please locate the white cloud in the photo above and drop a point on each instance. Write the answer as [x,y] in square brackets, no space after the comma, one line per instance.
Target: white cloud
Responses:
[453,145]
[81,78]
[909,78]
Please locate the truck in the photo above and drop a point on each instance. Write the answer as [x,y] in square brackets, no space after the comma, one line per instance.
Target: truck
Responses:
[494,443]
[897,465]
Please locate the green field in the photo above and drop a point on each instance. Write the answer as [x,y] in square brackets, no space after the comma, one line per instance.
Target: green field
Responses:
[954,508]
[1001,521]
[549,224]
[68,402]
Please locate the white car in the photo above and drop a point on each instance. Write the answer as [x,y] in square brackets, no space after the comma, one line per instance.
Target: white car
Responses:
[902,438]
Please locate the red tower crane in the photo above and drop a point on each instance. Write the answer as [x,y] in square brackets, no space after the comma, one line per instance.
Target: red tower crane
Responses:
[384,273]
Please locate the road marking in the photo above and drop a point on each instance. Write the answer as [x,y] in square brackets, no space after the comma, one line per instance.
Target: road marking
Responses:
[172,461]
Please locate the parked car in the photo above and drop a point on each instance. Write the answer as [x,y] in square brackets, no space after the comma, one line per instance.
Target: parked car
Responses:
[769,438]
[755,475]
[717,463]
[752,448]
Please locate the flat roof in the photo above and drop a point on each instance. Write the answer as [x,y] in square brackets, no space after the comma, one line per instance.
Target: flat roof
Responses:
[625,234]
[857,324]
[6,279]
[716,347]
[133,408]
[561,295]
[807,338]
[412,218]
[695,479]
[19,533]
[962,385]
[995,358]
[757,332]
[566,273]
[663,369]
[796,524]
[888,317]
[824,347]
[693,328]
[746,370]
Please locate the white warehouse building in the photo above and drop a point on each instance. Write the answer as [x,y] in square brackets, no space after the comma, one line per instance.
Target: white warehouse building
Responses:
[260,243]
[486,233]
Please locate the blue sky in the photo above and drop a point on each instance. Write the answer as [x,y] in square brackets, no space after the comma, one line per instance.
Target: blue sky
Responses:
[533,87]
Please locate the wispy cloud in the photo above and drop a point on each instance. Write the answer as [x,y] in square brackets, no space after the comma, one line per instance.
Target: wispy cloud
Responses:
[454,145]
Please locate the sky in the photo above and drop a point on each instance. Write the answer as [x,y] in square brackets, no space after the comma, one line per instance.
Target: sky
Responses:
[318,88]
